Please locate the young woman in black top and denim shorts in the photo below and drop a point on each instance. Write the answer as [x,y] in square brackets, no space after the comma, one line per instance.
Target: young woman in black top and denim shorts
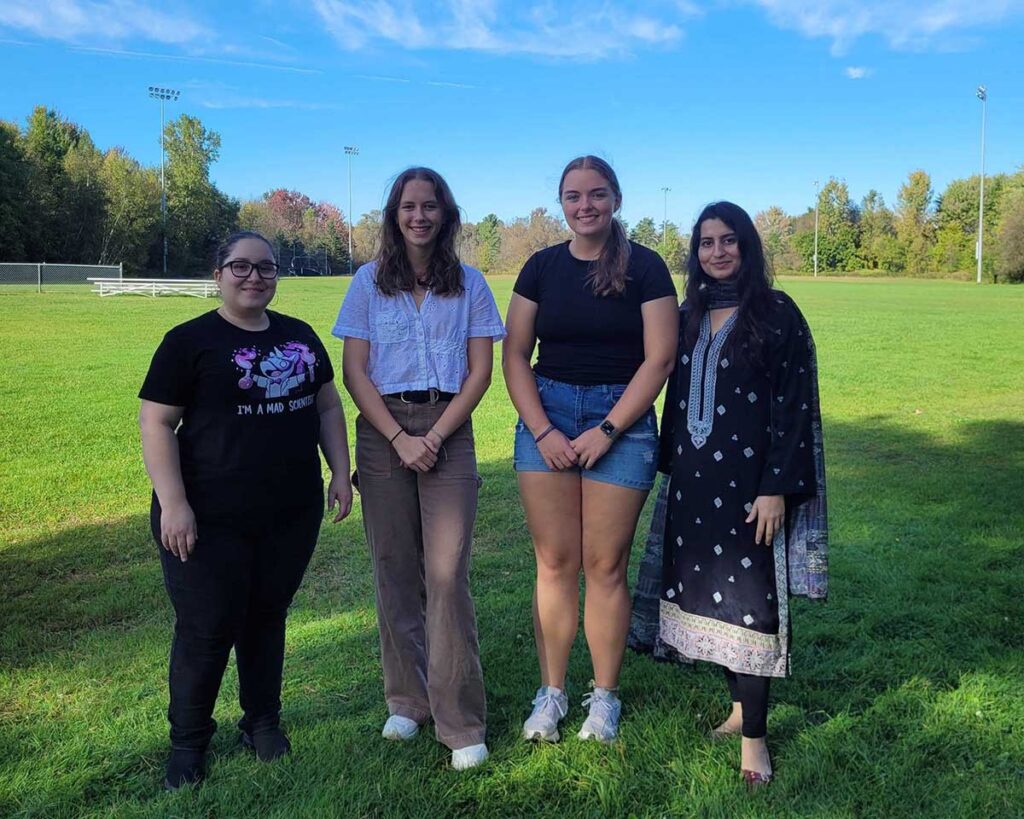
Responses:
[605,313]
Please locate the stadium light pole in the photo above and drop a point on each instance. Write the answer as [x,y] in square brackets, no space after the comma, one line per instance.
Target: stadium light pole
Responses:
[664,217]
[982,95]
[350,151]
[817,201]
[163,94]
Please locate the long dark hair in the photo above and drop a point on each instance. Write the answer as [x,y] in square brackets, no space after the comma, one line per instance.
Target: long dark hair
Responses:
[444,271]
[608,272]
[753,282]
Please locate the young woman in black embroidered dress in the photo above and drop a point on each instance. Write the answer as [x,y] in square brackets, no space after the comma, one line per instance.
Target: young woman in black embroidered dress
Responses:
[740,439]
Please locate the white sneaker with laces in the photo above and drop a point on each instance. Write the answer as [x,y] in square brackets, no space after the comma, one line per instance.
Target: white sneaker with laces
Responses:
[602,723]
[470,757]
[549,708]
[399,727]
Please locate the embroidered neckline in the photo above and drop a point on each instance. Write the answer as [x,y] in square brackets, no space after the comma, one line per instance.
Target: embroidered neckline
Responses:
[700,409]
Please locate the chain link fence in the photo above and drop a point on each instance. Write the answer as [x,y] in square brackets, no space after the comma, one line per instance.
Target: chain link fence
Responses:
[298,261]
[41,276]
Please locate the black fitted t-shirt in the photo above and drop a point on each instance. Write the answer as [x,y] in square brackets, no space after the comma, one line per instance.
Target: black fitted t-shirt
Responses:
[249,436]
[583,338]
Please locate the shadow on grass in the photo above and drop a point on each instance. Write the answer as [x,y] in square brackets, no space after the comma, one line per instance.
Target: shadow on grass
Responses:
[904,682]
[926,567]
[925,564]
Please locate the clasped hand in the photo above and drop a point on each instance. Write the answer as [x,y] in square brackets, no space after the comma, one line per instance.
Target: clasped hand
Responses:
[417,452]
[560,453]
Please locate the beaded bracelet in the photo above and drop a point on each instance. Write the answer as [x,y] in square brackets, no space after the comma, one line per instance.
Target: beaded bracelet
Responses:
[548,431]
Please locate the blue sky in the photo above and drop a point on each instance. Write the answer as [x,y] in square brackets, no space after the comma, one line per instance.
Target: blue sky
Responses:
[750,100]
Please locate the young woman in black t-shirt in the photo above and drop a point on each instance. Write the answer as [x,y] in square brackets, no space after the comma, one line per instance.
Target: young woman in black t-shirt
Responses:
[604,312]
[234,406]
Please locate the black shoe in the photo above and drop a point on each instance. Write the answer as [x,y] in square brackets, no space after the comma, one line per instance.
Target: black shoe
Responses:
[185,768]
[269,744]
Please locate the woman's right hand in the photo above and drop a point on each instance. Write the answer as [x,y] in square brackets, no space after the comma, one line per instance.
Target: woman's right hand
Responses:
[557,451]
[178,532]
[416,452]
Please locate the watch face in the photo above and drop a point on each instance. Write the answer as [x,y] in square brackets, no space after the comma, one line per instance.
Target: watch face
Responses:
[608,428]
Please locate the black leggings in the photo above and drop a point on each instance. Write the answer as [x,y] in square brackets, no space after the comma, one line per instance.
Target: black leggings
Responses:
[233,591]
[751,692]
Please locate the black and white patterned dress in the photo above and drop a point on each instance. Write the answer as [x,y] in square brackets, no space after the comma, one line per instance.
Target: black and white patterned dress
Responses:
[734,431]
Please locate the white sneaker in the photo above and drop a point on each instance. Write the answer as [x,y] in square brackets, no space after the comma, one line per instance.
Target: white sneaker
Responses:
[602,723]
[549,708]
[469,757]
[398,727]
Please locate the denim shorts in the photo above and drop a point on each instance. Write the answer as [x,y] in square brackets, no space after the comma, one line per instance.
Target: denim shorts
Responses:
[632,460]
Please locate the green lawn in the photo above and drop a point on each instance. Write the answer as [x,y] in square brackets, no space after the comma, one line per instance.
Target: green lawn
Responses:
[906,696]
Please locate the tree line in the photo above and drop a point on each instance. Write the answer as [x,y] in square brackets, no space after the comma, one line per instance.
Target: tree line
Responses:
[924,234]
[62,199]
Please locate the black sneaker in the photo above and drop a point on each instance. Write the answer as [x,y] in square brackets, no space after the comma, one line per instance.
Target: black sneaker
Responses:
[268,744]
[185,768]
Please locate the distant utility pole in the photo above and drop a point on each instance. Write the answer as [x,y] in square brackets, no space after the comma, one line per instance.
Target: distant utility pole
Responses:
[162,94]
[982,95]
[350,151]
[817,201]
[664,217]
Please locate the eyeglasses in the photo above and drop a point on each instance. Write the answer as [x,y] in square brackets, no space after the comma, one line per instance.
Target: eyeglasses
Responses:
[242,269]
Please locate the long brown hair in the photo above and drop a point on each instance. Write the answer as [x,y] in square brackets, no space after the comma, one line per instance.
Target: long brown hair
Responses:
[608,272]
[444,271]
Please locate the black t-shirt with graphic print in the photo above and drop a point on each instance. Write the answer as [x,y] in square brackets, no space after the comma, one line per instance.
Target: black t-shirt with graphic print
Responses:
[248,438]
[586,339]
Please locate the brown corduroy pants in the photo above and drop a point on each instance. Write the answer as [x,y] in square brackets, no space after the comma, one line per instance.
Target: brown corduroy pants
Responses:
[419,527]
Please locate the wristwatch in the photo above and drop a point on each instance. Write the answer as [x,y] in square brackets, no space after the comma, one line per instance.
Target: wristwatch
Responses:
[608,428]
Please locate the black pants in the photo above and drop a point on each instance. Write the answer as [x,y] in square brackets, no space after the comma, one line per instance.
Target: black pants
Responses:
[234,590]
[751,692]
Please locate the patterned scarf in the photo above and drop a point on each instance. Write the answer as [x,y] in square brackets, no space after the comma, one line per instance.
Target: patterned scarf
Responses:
[720,292]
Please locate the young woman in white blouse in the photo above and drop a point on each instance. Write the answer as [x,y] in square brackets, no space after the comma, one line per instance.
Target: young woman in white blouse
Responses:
[419,329]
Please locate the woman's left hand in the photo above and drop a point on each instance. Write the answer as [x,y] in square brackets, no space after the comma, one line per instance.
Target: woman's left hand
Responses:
[590,447]
[339,493]
[769,511]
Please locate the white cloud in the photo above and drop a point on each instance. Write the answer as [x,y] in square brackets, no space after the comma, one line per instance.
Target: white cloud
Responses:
[439,84]
[241,101]
[78,21]
[903,24]
[688,8]
[857,72]
[222,96]
[191,58]
[410,81]
[573,30]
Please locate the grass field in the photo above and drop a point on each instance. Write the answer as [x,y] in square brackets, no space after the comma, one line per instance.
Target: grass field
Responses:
[906,698]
